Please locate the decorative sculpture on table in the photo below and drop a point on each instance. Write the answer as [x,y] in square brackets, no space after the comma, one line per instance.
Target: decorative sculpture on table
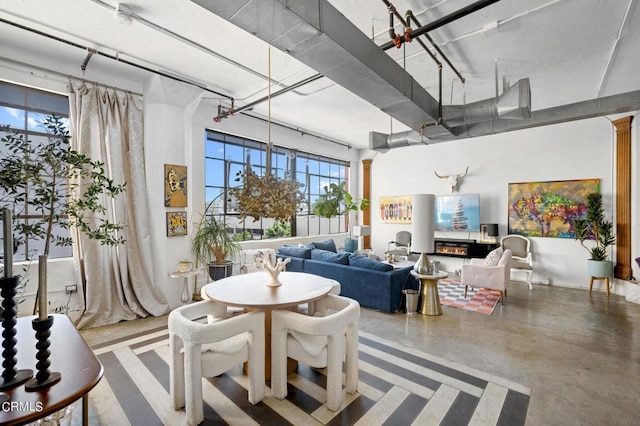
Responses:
[11,376]
[273,270]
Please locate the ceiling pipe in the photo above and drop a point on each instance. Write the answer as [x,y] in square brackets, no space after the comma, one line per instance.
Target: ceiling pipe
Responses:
[446,20]
[280,92]
[435,46]
[115,58]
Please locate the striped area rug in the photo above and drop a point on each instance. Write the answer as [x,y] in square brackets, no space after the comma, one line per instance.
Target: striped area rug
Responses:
[398,386]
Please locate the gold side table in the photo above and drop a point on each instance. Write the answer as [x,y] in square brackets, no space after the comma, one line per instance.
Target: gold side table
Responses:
[430,300]
[185,284]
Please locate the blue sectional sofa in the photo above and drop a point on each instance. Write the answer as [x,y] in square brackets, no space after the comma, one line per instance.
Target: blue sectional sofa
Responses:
[373,284]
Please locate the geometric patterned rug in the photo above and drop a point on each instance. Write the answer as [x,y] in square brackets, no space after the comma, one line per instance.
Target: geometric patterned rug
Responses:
[482,300]
[397,386]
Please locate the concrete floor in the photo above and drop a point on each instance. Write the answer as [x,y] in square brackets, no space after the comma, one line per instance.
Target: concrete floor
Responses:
[579,353]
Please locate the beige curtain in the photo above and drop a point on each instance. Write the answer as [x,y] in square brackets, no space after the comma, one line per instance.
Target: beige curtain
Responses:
[107,125]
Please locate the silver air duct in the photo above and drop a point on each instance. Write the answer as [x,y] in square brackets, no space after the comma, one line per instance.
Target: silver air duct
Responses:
[382,142]
[513,104]
[318,35]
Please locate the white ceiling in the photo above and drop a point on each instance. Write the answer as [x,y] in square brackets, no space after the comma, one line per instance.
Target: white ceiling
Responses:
[571,50]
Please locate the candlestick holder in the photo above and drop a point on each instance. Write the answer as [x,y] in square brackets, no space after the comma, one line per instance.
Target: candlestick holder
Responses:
[11,377]
[43,377]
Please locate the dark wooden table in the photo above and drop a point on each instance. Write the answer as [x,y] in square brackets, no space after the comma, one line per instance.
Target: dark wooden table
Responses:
[70,356]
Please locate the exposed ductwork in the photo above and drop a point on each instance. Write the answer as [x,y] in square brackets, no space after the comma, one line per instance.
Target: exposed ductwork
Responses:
[318,35]
[616,104]
[382,142]
[514,104]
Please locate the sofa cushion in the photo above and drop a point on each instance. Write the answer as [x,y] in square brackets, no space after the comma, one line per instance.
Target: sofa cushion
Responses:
[295,251]
[364,262]
[328,245]
[493,257]
[329,256]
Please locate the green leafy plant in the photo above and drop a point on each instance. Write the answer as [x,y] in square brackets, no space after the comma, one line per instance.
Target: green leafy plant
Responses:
[336,201]
[278,230]
[596,227]
[212,239]
[62,186]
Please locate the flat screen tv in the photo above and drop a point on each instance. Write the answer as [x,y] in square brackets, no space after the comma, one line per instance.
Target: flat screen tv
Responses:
[458,213]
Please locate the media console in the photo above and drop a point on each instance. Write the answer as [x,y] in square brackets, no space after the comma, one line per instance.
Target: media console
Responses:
[462,248]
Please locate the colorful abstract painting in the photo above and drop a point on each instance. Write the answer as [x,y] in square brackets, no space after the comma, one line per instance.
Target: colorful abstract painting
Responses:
[548,209]
[396,209]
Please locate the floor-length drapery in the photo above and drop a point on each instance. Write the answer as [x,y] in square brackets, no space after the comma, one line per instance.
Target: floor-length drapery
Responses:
[107,126]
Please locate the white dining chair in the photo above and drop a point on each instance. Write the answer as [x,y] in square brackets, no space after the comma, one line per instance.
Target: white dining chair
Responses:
[204,343]
[321,340]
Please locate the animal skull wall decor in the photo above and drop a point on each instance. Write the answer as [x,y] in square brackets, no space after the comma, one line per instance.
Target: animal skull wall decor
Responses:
[452,180]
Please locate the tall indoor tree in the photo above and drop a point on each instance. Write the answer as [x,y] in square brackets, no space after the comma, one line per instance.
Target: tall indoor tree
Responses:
[40,180]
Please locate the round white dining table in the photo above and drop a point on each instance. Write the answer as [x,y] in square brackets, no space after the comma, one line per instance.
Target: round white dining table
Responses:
[251,291]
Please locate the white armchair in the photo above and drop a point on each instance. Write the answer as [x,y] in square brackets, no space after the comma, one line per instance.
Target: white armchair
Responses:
[522,260]
[478,274]
[209,349]
[318,341]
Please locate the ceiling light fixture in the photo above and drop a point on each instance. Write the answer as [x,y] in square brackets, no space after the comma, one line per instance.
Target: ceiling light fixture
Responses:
[123,14]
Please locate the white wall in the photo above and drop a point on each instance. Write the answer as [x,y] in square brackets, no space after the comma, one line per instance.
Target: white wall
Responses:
[575,150]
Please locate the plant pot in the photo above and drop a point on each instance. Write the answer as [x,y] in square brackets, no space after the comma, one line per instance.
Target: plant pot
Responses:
[600,268]
[350,245]
[184,266]
[218,271]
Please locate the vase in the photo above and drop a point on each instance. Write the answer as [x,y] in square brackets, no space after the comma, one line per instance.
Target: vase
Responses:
[600,268]
[350,245]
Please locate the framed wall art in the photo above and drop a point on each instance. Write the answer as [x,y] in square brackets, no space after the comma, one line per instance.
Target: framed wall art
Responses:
[175,185]
[396,209]
[548,209]
[176,224]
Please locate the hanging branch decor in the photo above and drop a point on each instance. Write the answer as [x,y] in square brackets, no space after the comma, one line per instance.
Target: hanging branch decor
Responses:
[267,196]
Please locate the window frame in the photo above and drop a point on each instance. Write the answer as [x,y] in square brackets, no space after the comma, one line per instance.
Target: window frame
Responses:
[32,103]
[318,169]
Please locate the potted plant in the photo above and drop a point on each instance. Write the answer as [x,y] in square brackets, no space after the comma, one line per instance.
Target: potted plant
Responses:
[64,189]
[596,227]
[329,204]
[212,244]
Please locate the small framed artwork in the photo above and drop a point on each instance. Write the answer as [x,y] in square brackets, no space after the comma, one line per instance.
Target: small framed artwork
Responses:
[396,209]
[176,224]
[175,185]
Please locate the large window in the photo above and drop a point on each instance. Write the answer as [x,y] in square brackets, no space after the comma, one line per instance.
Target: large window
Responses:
[24,109]
[226,157]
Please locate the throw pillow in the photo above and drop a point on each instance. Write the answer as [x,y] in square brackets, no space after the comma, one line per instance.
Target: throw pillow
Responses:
[329,256]
[295,251]
[493,257]
[364,262]
[328,245]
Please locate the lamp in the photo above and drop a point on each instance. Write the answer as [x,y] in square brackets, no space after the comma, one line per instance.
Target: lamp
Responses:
[422,230]
[361,231]
[489,232]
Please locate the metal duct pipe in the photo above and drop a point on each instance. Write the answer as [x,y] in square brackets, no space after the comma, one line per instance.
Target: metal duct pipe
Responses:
[615,104]
[318,35]
[513,104]
[382,142]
